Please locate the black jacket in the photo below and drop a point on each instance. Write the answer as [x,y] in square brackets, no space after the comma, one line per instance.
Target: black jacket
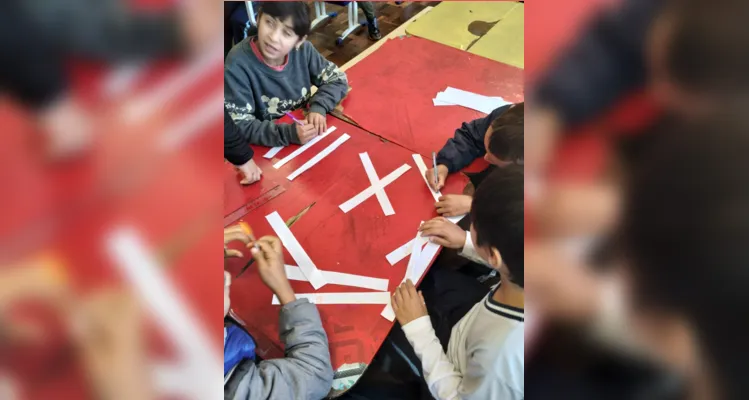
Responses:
[236,148]
[606,62]
[468,143]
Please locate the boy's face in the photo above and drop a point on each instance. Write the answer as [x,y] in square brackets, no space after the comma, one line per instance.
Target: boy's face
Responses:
[491,158]
[489,254]
[276,38]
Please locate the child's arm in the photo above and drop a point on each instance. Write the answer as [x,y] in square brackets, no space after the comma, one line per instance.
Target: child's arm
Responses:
[305,372]
[236,148]
[468,142]
[239,102]
[331,82]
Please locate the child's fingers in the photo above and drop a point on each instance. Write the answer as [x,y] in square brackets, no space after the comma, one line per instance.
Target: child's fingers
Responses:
[440,241]
[234,253]
[421,295]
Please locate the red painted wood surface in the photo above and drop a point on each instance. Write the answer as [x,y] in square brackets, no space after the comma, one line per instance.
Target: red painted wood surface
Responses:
[355,242]
[394,86]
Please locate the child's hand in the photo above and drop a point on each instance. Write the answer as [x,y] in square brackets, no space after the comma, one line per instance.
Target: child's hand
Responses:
[305,132]
[251,172]
[453,205]
[408,304]
[441,175]
[269,257]
[318,121]
[231,234]
[444,233]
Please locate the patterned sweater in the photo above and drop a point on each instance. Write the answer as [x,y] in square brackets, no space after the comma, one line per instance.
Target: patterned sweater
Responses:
[256,94]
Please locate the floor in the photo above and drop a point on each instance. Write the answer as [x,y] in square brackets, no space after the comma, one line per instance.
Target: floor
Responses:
[389,17]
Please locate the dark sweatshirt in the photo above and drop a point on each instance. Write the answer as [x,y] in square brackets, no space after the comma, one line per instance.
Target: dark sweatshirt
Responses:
[236,148]
[606,63]
[468,142]
[256,94]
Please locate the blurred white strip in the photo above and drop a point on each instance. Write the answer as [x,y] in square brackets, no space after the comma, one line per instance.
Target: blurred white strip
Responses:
[343,298]
[143,271]
[303,148]
[318,157]
[402,252]
[155,99]
[349,204]
[195,122]
[122,79]
[379,188]
[296,250]
[340,278]
[272,152]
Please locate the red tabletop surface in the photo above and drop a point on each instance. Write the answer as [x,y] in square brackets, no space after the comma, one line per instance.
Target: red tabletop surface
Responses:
[394,86]
[355,242]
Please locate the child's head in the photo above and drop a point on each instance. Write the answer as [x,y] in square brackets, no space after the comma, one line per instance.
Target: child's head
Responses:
[686,235]
[282,25]
[504,139]
[497,222]
[697,54]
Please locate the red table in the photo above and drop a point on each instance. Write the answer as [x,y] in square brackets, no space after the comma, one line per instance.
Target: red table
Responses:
[394,86]
[355,242]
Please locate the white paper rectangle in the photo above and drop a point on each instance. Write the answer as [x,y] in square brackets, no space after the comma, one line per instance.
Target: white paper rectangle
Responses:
[303,148]
[349,204]
[340,278]
[343,298]
[314,276]
[478,102]
[441,103]
[382,197]
[272,152]
[319,156]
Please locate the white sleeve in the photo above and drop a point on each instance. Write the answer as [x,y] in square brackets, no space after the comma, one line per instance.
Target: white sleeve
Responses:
[469,251]
[505,378]
[441,376]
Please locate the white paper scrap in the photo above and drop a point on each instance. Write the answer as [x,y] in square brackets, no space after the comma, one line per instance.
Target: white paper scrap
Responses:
[474,101]
[302,149]
[382,197]
[272,152]
[351,203]
[339,278]
[313,275]
[319,156]
[343,298]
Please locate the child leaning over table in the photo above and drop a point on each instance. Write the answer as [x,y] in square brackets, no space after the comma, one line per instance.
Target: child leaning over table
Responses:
[305,373]
[272,73]
[498,138]
[485,353]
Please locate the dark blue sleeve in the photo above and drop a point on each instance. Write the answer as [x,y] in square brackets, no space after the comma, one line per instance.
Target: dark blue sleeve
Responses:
[236,149]
[606,63]
[468,142]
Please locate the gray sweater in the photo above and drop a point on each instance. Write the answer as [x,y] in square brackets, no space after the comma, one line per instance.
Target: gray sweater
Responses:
[304,374]
[256,94]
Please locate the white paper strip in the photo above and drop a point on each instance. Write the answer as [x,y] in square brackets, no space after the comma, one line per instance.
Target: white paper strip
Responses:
[411,271]
[272,152]
[303,148]
[435,193]
[418,270]
[404,251]
[319,156]
[310,271]
[474,101]
[339,278]
[343,298]
[382,198]
[351,203]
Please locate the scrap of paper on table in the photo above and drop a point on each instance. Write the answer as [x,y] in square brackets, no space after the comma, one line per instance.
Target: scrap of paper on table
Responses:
[319,156]
[343,298]
[474,101]
[419,161]
[272,152]
[308,268]
[301,149]
[340,278]
[377,187]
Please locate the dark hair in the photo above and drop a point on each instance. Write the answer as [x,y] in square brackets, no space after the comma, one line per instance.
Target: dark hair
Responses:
[506,140]
[297,10]
[707,45]
[497,216]
[685,230]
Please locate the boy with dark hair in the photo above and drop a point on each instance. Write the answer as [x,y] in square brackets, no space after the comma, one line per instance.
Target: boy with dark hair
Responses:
[498,138]
[268,75]
[485,352]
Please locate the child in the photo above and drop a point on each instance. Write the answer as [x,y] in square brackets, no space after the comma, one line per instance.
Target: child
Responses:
[485,352]
[306,371]
[272,73]
[498,138]
[239,153]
